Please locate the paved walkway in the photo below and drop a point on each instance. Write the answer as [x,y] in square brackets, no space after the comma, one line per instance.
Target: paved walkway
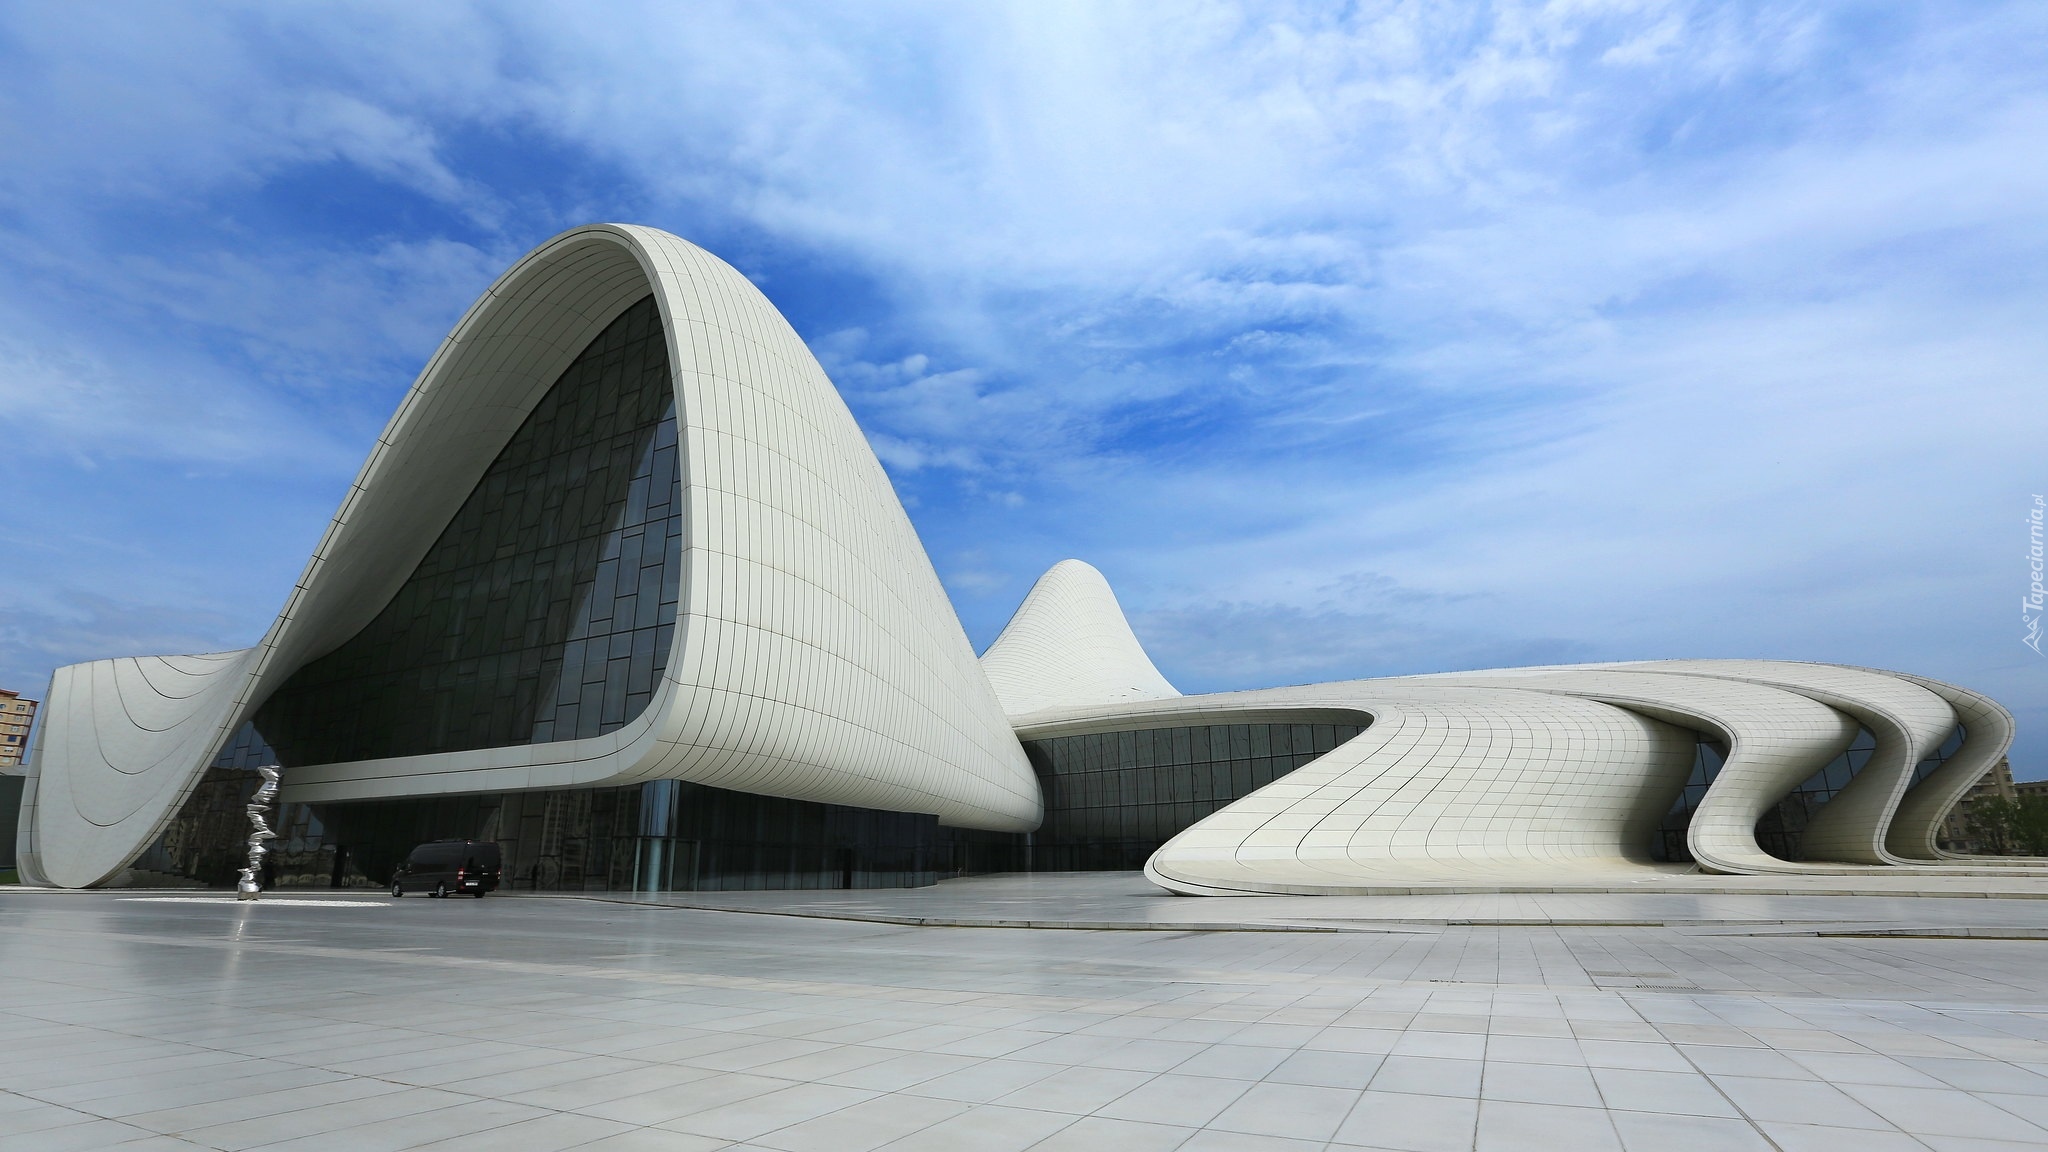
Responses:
[356,1022]
[1928,905]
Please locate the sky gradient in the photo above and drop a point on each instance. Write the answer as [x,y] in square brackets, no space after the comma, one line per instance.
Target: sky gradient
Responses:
[1347,340]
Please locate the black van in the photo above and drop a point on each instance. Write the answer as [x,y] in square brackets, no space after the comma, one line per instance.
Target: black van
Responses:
[446,867]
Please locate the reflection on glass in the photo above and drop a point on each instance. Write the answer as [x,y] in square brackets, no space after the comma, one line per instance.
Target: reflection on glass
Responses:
[544,611]
[1112,798]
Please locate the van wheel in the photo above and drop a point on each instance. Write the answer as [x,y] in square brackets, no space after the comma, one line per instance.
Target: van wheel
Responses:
[441,890]
[397,889]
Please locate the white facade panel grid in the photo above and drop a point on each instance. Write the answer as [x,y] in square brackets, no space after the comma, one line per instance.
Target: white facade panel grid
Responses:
[1069,645]
[1519,787]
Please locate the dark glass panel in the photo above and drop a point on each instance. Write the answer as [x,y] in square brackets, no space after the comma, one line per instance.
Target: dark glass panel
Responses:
[1104,810]
[1669,842]
[1782,829]
[544,610]
[1113,798]
[1939,756]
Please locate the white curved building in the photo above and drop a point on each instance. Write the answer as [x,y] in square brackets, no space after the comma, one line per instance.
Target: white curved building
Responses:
[806,647]
[623,587]
[1531,776]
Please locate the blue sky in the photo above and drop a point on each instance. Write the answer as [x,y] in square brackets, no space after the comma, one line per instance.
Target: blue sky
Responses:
[1347,340]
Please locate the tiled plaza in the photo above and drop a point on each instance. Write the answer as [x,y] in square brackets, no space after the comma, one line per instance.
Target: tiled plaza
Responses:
[1654,1021]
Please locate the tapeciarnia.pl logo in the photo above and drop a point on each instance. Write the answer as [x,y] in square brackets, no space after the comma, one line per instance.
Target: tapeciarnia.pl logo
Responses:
[2031,607]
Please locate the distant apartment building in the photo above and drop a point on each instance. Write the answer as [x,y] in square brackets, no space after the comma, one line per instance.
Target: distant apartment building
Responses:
[1957,834]
[17,715]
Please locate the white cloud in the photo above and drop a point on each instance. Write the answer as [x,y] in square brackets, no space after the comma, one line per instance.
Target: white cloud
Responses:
[1660,327]
[330,124]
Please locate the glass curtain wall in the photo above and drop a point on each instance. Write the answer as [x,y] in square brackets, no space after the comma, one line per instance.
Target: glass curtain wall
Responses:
[207,841]
[544,611]
[664,835]
[1782,828]
[661,836]
[1668,844]
[1939,756]
[1112,798]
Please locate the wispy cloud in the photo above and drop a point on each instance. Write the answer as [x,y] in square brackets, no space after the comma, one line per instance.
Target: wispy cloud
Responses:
[1615,329]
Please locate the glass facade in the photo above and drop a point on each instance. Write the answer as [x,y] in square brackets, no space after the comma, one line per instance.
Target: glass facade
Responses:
[656,837]
[1668,843]
[545,609]
[1782,828]
[206,842]
[1939,756]
[661,836]
[1112,798]
[664,835]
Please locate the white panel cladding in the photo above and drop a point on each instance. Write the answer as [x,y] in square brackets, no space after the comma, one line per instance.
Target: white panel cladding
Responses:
[1435,793]
[1906,712]
[1447,784]
[816,655]
[115,755]
[1069,645]
[820,657]
[1908,721]
[1775,740]
[1989,730]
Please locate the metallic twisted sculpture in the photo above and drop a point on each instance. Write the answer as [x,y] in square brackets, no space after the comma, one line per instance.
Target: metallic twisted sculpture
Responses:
[259,831]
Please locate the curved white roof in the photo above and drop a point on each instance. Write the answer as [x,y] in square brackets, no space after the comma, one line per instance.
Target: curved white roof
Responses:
[1540,775]
[1070,646]
[815,656]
